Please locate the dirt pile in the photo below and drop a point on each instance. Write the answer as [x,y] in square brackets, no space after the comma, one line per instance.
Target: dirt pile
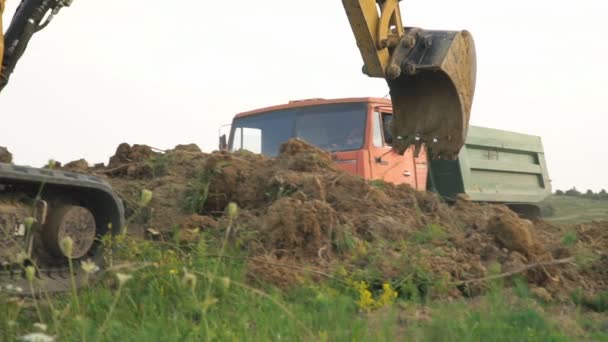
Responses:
[5,155]
[299,209]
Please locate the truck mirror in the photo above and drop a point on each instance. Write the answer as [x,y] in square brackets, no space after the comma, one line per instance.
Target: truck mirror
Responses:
[223,143]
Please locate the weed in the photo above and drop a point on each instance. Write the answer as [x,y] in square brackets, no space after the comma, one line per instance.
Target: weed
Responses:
[569,239]
[431,232]
[197,193]
[159,164]
[278,191]
[377,183]
[598,303]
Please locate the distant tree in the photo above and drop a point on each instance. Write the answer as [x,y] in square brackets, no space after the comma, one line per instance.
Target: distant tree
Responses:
[603,194]
[559,192]
[589,194]
[573,192]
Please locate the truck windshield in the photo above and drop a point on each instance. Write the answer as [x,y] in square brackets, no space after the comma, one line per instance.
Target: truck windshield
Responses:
[332,127]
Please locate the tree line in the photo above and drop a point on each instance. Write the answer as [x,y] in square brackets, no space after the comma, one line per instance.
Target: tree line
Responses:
[601,195]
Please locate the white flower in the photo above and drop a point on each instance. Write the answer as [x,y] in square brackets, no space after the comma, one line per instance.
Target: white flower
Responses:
[189,280]
[12,288]
[123,278]
[89,267]
[37,337]
[40,326]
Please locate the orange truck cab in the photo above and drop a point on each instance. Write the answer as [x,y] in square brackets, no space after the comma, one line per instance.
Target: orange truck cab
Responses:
[354,130]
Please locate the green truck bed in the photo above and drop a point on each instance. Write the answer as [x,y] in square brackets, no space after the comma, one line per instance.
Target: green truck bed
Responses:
[494,166]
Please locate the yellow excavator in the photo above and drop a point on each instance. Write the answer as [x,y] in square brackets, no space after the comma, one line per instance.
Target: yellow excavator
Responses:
[430,75]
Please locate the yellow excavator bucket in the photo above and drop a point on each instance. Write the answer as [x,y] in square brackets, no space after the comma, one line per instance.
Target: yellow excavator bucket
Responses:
[430,73]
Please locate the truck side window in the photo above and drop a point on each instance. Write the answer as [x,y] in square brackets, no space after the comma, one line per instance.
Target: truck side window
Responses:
[377,138]
[387,123]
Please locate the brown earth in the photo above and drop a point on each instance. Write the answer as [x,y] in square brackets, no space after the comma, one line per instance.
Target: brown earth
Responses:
[300,211]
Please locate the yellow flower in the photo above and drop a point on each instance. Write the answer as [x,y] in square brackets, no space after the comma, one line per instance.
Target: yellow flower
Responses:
[388,295]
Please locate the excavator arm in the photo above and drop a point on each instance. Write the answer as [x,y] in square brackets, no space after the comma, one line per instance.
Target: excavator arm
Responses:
[431,75]
[30,17]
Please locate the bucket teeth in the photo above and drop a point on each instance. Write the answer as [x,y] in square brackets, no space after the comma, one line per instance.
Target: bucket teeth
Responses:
[433,93]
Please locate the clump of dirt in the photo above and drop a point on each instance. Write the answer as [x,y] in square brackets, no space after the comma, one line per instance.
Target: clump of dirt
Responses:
[130,161]
[298,227]
[512,232]
[79,165]
[5,155]
[300,211]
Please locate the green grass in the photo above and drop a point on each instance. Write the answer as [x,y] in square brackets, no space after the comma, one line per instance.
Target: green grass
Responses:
[167,291]
[179,293]
[569,209]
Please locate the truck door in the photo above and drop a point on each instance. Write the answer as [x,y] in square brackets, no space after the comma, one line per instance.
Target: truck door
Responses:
[386,164]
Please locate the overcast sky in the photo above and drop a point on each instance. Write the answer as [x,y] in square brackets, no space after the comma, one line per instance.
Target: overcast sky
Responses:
[169,72]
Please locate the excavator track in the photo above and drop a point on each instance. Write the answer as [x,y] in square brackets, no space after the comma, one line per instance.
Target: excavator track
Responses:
[62,203]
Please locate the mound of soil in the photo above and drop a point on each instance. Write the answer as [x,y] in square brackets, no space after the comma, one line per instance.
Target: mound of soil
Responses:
[301,211]
[5,155]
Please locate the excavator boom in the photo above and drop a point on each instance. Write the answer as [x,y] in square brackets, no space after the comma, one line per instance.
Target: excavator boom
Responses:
[430,73]
[30,17]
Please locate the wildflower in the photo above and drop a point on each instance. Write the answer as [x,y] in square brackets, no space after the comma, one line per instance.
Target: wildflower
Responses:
[30,273]
[226,282]
[173,271]
[366,301]
[189,280]
[232,210]
[51,164]
[37,337]
[67,246]
[146,197]
[123,278]
[29,223]
[388,295]
[207,303]
[40,326]
[89,267]
[12,288]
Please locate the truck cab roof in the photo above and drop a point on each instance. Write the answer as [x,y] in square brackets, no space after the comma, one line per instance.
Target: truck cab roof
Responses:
[316,102]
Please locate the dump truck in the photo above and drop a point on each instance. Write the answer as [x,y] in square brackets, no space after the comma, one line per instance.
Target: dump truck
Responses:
[430,75]
[493,166]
